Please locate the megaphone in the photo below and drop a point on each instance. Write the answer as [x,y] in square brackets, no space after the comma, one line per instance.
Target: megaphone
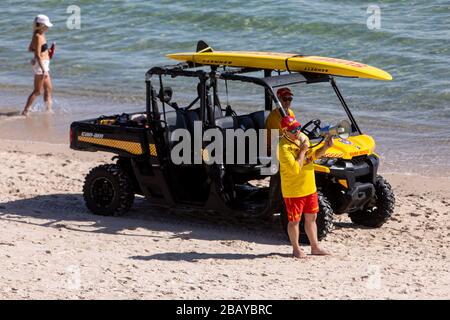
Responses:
[341,130]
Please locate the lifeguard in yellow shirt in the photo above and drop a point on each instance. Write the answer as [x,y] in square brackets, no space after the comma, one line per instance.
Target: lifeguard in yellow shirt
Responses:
[298,184]
[273,120]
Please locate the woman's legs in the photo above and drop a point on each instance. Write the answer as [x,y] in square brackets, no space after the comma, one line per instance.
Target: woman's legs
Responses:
[38,83]
[48,88]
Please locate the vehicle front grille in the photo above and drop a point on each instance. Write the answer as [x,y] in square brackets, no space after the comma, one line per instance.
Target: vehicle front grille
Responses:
[358,160]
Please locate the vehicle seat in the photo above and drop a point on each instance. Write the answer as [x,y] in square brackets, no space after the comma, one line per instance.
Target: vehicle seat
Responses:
[218,112]
[190,117]
[225,122]
[259,118]
[244,122]
[175,119]
[255,120]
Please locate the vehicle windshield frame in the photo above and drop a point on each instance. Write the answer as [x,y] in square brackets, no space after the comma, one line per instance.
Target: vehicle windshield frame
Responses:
[269,82]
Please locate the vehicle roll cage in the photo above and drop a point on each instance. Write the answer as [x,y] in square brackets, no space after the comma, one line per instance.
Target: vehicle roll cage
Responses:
[269,82]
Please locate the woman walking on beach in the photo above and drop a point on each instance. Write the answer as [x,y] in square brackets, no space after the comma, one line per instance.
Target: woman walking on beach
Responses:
[40,63]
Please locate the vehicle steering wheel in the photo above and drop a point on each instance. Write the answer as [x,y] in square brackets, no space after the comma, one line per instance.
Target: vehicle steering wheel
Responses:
[314,132]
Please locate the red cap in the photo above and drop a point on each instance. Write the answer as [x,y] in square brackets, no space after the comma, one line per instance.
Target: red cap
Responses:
[289,123]
[284,92]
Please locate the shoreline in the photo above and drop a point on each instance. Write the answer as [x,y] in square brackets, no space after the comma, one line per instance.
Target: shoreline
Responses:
[53,248]
[63,146]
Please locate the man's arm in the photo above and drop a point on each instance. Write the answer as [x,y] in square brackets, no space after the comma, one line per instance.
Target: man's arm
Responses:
[319,153]
[302,154]
[289,160]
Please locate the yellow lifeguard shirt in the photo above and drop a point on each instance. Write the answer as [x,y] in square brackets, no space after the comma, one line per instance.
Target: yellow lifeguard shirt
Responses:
[273,121]
[295,181]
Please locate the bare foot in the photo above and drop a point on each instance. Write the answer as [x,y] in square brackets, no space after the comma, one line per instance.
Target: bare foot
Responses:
[24,113]
[299,254]
[319,252]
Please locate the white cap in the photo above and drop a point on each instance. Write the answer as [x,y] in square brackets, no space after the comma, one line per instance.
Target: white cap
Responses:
[42,18]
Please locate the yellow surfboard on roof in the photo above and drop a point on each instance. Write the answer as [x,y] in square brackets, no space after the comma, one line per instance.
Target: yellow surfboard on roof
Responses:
[282,61]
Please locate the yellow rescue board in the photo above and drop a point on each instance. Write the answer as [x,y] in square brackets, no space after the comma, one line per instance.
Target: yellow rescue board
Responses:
[278,61]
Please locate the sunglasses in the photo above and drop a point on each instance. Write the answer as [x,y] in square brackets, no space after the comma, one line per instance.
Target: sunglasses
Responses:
[294,131]
[287,99]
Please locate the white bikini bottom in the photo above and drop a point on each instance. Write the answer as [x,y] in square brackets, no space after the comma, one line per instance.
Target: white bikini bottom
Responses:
[37,68]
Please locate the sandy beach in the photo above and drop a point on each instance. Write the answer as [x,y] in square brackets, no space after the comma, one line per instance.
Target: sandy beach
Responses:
[52,248]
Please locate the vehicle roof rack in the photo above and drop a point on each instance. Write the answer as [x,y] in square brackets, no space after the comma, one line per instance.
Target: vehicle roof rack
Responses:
[179,69]
[294,78]
[188,70]
[241,70]
[278,81]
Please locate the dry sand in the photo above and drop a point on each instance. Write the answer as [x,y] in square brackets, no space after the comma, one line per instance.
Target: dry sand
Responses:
[52,248]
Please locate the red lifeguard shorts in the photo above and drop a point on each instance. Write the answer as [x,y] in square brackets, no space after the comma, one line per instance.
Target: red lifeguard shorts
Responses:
[296,206]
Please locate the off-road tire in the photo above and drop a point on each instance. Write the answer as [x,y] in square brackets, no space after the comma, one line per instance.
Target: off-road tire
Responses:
[380,209]
[108,190]
[324,220]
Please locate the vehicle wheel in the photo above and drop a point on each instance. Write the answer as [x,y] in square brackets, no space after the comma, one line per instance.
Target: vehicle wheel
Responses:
[381,208]
[108,190]
[324,220]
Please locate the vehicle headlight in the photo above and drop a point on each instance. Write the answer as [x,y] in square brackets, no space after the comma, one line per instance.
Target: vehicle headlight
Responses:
[326,161]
